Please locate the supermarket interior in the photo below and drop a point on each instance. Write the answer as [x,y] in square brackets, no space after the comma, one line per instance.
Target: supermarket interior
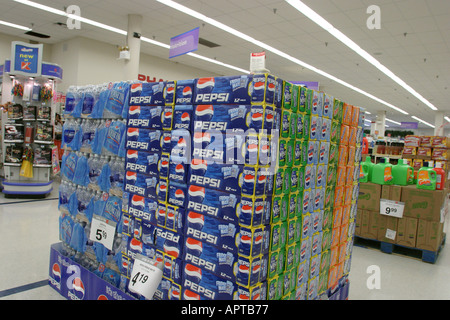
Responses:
[224,150]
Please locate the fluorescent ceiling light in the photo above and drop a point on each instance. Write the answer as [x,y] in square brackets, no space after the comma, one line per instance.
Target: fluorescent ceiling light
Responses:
[395,122]
[311,14]
[267,47]
[13,25]
[447,119]
[119,31]
[424,122]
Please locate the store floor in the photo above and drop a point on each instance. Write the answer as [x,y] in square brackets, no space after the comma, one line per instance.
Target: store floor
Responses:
[29,227]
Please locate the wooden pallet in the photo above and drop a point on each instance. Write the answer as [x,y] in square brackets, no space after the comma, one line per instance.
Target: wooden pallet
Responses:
[390,248]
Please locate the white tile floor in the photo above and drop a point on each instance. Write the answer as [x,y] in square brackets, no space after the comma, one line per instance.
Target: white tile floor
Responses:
[28,228]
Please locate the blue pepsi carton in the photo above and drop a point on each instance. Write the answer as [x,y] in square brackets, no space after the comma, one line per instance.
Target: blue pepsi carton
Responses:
[167,118]
[264,87]
[319,194]
[147,93]
[141,184]
[142,162]
[321,176]
[178,169]
[256,181]
[313,152]
[144,140]
[206,284]
[307,201]
[252,293]
[177,194]
[184,92]
[328,104]
[309,176]
[147,117]
[182,117]
[223,90]
[191,296]
[175,218]
[180,144]
[219,204]
[316,243]
[143,208]
[224,117]
[317,103]
[226,236]
[209,258]
[215,146]
[252,211]
[162,190]
[306,225]
[225,177]
[169,92]
[324,152]
[163,166]
[167,241]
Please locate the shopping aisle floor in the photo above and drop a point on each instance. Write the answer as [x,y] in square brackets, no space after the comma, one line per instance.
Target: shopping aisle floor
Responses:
[29,227]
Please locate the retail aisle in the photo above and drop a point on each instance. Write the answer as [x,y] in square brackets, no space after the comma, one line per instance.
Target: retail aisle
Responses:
[28,228]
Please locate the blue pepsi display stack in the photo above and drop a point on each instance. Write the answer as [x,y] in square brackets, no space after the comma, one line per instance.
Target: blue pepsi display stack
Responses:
[92,174]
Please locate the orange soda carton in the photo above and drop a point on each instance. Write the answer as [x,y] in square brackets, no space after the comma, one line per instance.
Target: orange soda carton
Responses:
[347,114]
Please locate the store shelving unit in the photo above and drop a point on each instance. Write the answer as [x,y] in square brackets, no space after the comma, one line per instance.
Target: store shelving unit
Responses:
[27,124]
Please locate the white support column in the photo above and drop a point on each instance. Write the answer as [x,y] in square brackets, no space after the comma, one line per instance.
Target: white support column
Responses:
[380,124]
[134,45]
[438,122]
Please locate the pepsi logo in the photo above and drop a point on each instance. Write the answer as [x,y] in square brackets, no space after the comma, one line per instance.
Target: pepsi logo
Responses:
[138,201]
[170,89]
[196,218]
[102,297]
[164,163]
[194,245]
[136,245]
[134,110]
[174,293]
[179,194]
[179,169]
[249,178]
[271,87]
[136,87]
[132,154]
[56,272]
[259,85]
[257,116]
[189,295]
[168,115]
[246,240]
[200,137]
[203,83]
[78,288]
[131,176]
[244,269]
[185,117]
[197,164]
[203,110]
[133,132]
[196,191]
[187,91]
[171,250]
[181,143]
[193,272]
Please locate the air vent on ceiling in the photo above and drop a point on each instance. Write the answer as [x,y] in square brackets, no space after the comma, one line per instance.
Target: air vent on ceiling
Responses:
[208,43]
[37,34]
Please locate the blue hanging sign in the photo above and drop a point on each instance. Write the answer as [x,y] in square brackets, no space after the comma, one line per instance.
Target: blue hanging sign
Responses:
[26,59]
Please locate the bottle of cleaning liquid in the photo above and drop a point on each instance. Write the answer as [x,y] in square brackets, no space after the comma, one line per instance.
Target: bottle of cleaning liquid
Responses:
[426,178]
[402,173]
[440,176]
[382,172]
[366,170]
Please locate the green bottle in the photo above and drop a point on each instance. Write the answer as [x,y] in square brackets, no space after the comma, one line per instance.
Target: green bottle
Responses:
[382,172]
[403,173]
[366,170]
[426,178]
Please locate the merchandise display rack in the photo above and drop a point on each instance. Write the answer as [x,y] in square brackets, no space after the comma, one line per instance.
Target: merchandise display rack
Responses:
[27,124]
[292,226]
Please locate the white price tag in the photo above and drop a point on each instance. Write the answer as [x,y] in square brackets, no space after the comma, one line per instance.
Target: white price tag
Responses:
[102,231]
[390,234]
[145,277]
[392,208]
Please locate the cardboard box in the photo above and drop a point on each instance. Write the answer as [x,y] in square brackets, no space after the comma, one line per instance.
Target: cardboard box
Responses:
[407,232]
[369,224]
[429,235]
[391,192]
[430,205]
[426,141]
[412,141]
[387,228]
[424,153]
[441,142]
[440,154]
[369,196]
[409,152]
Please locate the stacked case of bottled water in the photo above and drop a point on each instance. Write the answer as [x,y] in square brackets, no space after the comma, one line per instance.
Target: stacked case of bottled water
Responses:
[92,174]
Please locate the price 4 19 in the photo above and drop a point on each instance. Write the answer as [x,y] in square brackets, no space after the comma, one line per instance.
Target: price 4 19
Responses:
[139,277]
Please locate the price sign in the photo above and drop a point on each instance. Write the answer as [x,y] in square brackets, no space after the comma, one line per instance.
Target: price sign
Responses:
[102,231]
[145,277]
[258,61]
[392,208]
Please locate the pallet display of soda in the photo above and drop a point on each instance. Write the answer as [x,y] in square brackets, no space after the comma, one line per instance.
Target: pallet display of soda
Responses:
[240,188]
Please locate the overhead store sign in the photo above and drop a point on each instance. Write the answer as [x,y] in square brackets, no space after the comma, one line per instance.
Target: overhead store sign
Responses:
[184,43]
[26,59]
[410,125]
[309,84]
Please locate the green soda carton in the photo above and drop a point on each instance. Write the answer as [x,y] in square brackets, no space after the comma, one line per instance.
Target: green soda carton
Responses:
[287,180]
[293,126]
[287,97]
[292,205]
[300,129]
[308,102]
[284,209]
[290,153]
[302,99]
[282,152]
[285,123]
[335,131]
[275,213]
[294,98]
[338,108]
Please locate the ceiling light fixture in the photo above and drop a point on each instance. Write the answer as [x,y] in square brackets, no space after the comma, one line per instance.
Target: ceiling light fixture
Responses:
[315,17]
[263,45]
[119,31]
[395,122]
[13,25]
[447,119]
[424,122]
